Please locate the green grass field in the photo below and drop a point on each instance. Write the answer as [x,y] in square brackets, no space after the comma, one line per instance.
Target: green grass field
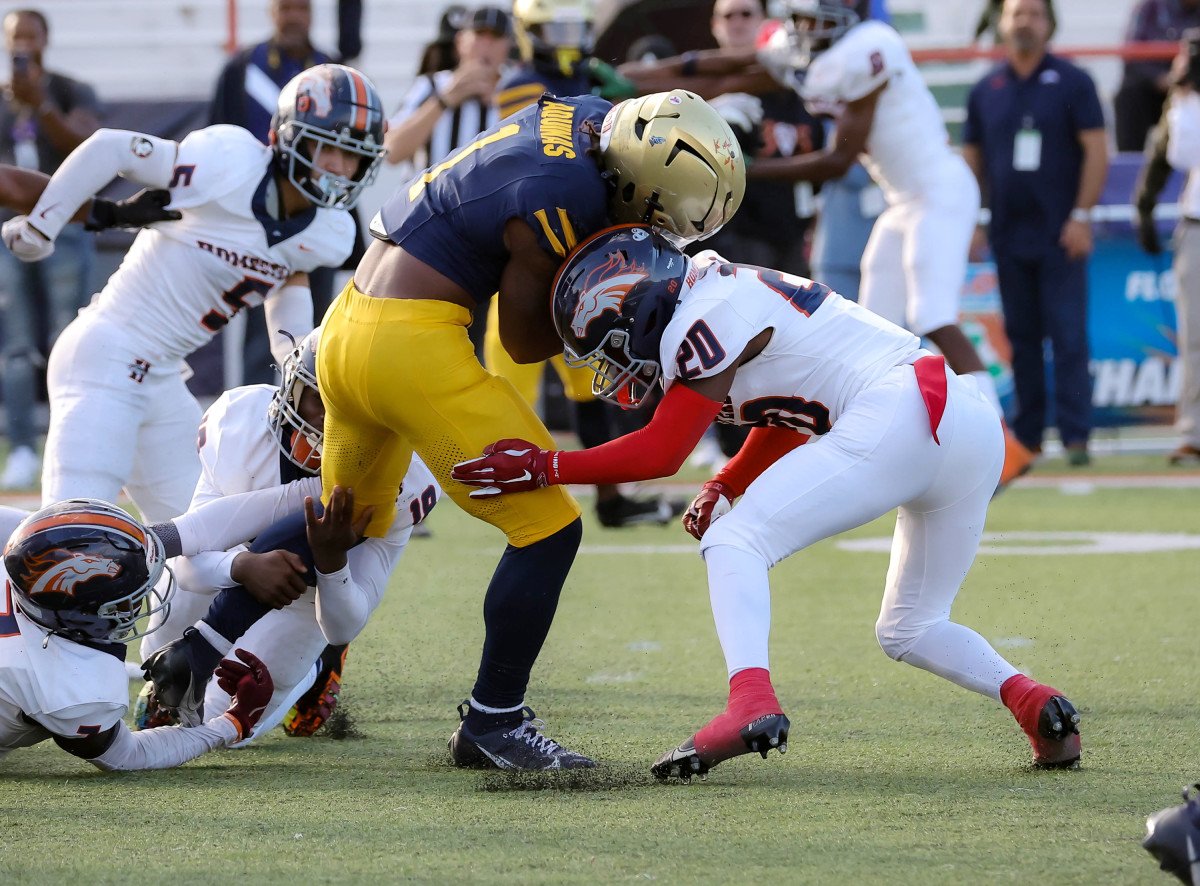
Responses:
[891,775]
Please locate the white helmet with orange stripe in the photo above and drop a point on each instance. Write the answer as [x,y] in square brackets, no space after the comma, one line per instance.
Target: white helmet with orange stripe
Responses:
[85,570]
[328,106]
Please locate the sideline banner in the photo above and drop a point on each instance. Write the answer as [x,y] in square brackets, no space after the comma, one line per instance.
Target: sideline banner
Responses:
[1131,331]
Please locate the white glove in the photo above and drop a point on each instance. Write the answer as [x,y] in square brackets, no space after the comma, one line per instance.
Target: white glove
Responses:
[26,242]
[740,110]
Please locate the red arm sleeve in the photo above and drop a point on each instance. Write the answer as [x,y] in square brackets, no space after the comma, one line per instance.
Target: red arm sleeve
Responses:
[657,450]
[763,447]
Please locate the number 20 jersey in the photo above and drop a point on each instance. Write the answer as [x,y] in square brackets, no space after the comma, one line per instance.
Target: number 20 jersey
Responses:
[535,166]
[182,280]
[823,350]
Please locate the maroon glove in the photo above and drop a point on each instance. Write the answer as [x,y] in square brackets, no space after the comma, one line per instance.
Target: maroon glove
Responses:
[251,687]
[715,500]
[507,466]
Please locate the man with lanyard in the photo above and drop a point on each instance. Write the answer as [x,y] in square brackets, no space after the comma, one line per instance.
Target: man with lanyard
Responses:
[1035,139]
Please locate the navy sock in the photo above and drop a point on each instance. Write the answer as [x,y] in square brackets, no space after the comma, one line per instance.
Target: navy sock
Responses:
[593,423]
[517,612]
[234,610]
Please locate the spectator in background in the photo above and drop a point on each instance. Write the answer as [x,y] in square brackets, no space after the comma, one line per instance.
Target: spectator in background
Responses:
[1139,102]
[247,95]
[445,110]
[44,117]
[440,54]
[1034,137]
[771,228]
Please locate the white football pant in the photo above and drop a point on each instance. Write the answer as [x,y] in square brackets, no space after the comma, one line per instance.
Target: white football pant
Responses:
[114,422]
[879,455]
[915,261]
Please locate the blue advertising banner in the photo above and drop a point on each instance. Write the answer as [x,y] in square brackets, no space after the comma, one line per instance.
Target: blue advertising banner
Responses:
[1131,315]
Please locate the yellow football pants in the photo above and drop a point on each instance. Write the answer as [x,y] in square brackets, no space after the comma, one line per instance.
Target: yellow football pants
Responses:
[399,375]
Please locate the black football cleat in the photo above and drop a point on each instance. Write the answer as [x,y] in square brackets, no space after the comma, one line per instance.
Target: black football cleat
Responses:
[1058,745]
[176,686]
[624,511]
[759,736]
[523,747]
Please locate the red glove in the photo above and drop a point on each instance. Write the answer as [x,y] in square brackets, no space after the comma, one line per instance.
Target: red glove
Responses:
[715,500]
[251,686]
[508,466]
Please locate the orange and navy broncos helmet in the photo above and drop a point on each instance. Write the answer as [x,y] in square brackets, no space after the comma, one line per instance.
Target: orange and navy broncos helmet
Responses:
[299,439]
[328,106]
[613,298]
[85,570]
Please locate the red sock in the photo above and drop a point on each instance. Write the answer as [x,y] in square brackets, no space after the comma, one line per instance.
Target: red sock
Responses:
[751,696]
[1026,698]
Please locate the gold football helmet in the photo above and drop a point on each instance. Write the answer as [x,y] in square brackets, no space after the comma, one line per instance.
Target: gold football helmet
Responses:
[676,164]
[554,32]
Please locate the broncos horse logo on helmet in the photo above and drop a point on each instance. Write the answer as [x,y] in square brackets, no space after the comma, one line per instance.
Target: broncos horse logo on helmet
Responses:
[328,106]
[58,571]
[612,301]
[84,569]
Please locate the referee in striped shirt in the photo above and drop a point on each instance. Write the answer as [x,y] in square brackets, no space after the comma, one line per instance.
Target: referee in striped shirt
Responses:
[446,110]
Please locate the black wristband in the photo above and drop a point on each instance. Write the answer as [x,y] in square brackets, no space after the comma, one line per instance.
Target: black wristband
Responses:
[688,68]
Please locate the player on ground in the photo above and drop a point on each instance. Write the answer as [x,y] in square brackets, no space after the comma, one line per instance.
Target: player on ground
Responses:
[255,220]
[886,424]
[80,574]
[258,437]
[398,372]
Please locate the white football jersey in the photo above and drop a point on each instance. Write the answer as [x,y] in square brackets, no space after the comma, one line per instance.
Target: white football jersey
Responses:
[823,351]
[182,280]
[908,145]
[66,688]
[238,453]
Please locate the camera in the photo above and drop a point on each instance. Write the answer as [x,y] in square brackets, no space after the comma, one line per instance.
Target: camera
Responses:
[20,63]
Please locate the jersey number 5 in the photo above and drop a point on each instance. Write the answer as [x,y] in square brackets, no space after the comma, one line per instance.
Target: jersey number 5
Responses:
[236,299]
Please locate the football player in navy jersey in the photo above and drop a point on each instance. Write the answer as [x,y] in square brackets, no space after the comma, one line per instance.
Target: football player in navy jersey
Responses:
[398,372]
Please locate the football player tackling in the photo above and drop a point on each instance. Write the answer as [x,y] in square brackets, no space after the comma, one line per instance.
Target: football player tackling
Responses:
[886,423]
[255,220]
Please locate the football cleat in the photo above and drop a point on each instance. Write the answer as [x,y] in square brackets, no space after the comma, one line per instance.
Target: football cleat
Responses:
[524,747]
[148,713]
[1057,745]
[175,683]
[759,736]
[623,511]
[315,706]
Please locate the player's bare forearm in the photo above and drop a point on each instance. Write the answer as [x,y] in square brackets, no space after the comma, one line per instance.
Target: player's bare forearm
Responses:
[815,167]
[21,188]
[1095,167]
[526,327]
